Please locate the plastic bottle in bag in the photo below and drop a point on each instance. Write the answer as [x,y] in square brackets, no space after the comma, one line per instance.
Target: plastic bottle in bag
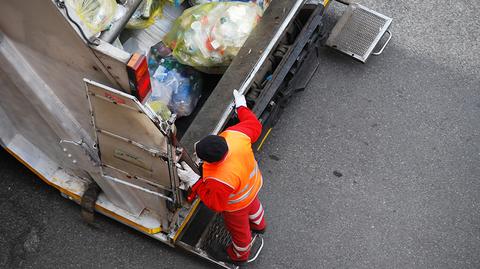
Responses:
[186,93]
[175,87]
[211,34]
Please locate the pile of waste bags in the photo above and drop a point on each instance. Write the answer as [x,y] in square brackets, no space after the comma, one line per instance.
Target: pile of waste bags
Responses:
[206,36]
[211,34]
[175,87]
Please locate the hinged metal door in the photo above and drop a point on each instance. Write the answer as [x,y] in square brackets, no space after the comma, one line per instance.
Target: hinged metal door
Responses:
[133,146]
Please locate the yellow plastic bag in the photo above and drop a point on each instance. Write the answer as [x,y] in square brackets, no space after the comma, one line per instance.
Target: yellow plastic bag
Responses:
[211,34]
[148,11]
[145,14]
[96,15]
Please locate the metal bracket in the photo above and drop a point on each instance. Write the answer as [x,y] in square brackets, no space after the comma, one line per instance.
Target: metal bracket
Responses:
[172,169]
[80,154]
[88,201]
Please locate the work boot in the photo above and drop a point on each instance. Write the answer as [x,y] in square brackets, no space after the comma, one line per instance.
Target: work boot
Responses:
[262,231]
[256,248]
[222,255]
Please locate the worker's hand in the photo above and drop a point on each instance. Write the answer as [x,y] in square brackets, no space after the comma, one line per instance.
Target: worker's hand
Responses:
[186,174]
[239,99]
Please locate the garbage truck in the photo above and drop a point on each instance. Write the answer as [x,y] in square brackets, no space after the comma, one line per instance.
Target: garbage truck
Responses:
[72,107]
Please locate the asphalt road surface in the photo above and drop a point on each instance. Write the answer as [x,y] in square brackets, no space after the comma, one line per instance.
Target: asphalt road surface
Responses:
[373,166]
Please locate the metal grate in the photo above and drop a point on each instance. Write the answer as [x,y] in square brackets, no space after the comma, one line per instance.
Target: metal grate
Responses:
[217,237]
[358,31]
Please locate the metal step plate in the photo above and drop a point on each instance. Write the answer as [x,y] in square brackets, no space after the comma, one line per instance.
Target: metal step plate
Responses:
[217,238]
[358,31]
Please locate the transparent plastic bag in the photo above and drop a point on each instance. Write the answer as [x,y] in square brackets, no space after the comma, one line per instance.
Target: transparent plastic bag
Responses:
[211,34]
[157,52]
[186,92]
[161,93]
[160,108]
[96,15]
[175,87]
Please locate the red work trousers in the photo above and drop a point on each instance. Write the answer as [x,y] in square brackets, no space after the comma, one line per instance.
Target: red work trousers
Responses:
[239,224]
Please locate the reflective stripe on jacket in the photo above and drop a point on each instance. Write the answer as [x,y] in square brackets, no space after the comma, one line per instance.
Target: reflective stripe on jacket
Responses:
[239,170]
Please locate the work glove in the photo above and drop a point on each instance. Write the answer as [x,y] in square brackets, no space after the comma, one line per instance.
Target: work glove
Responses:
[239,99]
[186,174]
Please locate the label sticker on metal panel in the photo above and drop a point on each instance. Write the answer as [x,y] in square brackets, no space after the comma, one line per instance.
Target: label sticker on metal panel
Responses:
[130,158]
[114,98]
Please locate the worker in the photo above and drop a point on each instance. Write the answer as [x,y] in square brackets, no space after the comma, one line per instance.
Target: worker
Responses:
[231,181]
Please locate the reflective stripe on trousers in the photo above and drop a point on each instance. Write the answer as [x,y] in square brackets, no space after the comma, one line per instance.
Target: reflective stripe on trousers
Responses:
[239,224]
[240,251]
[257,216]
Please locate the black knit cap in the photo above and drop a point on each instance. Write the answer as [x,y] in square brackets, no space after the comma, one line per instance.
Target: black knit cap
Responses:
[212,148]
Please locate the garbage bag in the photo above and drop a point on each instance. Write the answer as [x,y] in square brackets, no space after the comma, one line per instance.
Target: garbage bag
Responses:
[145,14]
[141,40]
[262,3]
[96,15]
[161,94]
[211,34]
[175,87]
[149,11]
[187,91]
[157,52]
[160,108]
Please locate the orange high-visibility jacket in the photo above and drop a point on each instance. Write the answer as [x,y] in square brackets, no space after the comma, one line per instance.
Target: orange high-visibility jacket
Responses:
[239,170]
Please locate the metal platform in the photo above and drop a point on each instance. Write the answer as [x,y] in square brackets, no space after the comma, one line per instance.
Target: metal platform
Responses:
[217,238]
[358,32]
[207,236]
